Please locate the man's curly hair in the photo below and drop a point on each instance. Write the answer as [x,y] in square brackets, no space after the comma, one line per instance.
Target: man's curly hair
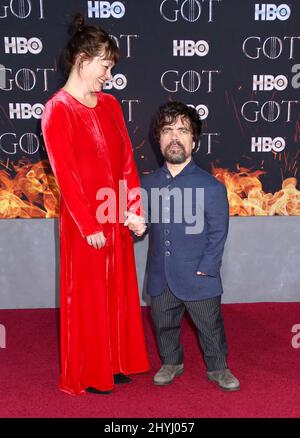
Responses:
[168,113]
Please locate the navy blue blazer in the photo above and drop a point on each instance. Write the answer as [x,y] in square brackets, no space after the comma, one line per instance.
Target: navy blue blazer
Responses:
[177,249]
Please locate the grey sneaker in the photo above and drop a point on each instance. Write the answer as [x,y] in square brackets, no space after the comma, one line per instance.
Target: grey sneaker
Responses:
[225,379]
[167,373]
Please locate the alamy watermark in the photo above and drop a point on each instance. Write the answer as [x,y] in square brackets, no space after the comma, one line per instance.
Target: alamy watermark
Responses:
[295,341]
[166,205]
[2,336]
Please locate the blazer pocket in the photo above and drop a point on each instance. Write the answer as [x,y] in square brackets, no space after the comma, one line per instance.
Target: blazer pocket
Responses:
[196,261]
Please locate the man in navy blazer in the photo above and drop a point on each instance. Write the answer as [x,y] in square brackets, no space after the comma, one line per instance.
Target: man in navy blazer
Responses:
[187,215]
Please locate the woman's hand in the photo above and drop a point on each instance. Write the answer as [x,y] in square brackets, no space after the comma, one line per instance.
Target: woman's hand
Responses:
[135,223]
[96,240]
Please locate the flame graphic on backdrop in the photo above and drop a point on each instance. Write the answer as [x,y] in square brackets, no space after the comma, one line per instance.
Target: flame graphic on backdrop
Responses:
[33,193]
[247,198]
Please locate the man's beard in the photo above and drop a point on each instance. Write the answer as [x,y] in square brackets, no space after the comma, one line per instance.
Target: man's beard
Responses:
[173,157]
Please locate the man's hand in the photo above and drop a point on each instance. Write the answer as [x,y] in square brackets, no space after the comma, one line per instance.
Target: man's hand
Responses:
[135,223]
[96,240]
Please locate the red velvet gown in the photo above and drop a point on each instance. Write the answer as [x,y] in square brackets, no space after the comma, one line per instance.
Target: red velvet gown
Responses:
[101,325]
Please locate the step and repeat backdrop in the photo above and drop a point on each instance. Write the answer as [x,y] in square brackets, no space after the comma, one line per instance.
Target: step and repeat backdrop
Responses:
[236,61]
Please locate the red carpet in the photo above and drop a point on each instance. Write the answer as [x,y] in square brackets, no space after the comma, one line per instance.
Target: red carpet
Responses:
[260,354]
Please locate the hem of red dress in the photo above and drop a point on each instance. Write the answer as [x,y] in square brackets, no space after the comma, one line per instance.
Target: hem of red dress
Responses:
[74,392]
[71,391]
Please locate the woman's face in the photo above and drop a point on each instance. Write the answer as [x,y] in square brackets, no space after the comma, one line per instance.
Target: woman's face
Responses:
[95,72]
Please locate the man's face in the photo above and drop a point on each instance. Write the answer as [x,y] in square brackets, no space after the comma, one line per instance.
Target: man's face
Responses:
[176,141]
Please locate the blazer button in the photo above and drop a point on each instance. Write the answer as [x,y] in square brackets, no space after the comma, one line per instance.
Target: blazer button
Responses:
[167,253]
[167,243]
[168,176]
[167,231]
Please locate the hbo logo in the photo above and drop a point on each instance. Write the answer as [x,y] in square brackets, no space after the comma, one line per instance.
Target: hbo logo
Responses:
[25,111]
[267,144]
[103,9]
[22,45]
[269,82]
[271,12]
[190,48]
[201,109]
[119,82]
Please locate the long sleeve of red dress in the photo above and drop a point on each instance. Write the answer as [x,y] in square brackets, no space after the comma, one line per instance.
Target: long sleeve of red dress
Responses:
[58,135]
[101,325]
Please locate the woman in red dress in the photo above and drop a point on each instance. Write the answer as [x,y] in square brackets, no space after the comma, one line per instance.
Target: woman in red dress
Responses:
[102,339]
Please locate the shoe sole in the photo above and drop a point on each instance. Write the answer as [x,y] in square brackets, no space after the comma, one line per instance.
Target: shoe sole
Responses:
[178,373]
[97,391]
[237,388]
